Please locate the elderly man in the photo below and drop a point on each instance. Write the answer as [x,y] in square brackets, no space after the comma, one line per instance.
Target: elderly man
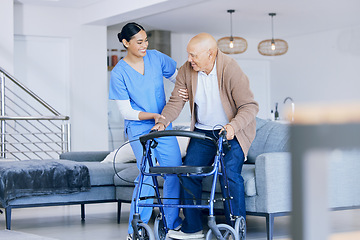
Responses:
[220,98]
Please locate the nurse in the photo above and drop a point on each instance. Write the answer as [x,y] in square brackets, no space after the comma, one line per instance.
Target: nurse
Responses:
[136,84]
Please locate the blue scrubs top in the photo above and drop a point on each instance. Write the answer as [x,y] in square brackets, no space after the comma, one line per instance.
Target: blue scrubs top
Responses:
[145,92]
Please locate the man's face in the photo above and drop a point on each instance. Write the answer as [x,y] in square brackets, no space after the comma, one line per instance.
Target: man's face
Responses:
[199,58]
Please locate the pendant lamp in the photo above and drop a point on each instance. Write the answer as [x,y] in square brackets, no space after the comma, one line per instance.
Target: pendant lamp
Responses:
[232,45]
[273,47]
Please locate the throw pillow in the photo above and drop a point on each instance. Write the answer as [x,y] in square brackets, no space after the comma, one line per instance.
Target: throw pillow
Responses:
[124,155]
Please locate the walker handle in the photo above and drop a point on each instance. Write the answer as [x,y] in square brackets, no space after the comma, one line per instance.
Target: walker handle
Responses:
[179,133]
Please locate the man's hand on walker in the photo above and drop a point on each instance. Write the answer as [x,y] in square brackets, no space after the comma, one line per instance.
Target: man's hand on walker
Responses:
[230,132]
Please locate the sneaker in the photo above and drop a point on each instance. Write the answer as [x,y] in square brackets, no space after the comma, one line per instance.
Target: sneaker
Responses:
[177,228]
[129,237]
[181,235]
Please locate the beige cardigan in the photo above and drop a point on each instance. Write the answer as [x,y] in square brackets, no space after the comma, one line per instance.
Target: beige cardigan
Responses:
[235,94]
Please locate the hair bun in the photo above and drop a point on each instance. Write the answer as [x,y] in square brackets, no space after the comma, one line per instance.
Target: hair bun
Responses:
[120,37]
[128,31]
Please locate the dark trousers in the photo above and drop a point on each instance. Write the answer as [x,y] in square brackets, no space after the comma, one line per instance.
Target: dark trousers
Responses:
[202,153]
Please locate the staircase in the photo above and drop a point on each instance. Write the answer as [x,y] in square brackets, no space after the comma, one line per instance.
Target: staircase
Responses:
[30,128]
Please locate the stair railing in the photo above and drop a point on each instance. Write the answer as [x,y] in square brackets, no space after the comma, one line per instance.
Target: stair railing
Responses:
[28,131]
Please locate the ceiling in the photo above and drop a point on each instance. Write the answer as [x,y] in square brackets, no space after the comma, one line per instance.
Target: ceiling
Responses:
[59,3]
[250,19]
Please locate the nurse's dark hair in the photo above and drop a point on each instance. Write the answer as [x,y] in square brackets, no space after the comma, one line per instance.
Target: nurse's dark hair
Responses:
[128,31]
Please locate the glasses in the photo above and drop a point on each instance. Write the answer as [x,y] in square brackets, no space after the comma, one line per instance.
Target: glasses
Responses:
[193,55]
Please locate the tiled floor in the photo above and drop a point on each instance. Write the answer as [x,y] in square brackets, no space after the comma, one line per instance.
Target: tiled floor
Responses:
[63,222]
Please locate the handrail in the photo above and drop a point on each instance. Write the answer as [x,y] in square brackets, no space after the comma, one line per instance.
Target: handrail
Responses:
[25,132]
[31,93]
[34,118]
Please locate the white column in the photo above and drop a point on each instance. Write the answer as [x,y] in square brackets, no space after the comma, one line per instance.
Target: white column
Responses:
[7,35]
[318,129]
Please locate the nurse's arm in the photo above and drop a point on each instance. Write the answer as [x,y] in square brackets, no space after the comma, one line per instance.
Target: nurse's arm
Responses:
[147,115]
[129,113]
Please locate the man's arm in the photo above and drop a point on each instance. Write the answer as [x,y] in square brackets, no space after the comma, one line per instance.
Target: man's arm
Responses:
[175,104]
[247,107]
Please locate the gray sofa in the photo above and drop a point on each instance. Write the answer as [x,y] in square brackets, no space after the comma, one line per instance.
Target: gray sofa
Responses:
[267,175]
[101,180]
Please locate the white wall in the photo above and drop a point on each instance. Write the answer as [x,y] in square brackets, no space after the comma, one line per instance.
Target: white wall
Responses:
[48,76]
[319,67]
[7,35]
[87,91]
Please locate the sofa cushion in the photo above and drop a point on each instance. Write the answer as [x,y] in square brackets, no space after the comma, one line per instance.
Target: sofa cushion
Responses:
[271,136]
[102,174]
[128,175]
[89,156]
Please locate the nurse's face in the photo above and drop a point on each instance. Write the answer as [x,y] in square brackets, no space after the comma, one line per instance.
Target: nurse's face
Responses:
[138,44]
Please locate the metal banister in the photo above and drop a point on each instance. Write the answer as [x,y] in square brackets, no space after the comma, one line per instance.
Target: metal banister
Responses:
[34,117]
[25,132]
[27,90]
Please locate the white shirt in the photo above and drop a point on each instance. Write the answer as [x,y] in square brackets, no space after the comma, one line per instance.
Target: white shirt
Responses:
[208,107]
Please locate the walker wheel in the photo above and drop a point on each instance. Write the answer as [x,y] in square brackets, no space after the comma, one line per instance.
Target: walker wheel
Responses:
[159,228]
[240,227]
[145,232]
[226,231]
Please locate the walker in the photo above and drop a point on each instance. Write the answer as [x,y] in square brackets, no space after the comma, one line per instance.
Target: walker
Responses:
[143,231]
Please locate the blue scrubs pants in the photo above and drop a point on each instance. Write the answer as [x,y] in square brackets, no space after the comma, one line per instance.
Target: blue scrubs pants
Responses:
[202,153]
[167,153]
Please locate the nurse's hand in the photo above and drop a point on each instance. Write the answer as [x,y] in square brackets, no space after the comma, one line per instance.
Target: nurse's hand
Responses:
[184,94]
[157,117]
[159,127]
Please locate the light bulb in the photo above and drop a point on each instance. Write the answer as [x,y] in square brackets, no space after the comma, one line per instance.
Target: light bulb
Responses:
[231,44]
[272,45]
